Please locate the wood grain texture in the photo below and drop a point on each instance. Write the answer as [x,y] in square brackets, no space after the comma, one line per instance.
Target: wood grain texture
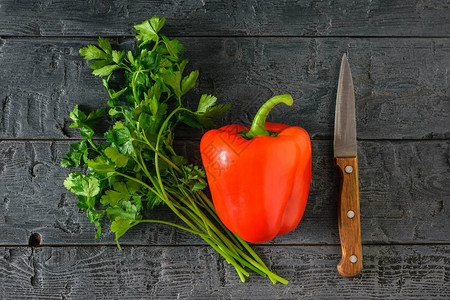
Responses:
[212,18]
[404,195]
[399,83]
[246,51]
[349,226]
[396,272]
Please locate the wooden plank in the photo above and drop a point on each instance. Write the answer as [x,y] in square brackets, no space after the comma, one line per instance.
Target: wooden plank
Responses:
[401,85]
[212,18]
[400,272]
[404,194]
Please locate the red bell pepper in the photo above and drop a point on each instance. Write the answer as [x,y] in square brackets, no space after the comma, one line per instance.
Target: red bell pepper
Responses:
[259,177]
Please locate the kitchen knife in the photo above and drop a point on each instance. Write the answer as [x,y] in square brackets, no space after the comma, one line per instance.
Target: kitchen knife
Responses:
[346,161]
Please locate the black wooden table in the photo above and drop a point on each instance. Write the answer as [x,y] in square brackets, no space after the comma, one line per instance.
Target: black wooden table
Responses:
[246,51]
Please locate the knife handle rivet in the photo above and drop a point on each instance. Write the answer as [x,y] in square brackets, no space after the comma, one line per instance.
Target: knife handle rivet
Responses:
[350,214]
[348,169]
[353,259]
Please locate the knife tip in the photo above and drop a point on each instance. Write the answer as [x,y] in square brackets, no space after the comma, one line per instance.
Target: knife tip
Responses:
[344,57]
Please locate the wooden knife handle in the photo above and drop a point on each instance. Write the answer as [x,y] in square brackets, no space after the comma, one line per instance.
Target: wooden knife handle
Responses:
[349,217]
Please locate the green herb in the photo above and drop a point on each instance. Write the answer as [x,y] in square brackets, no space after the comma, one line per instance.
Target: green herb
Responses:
[137,168]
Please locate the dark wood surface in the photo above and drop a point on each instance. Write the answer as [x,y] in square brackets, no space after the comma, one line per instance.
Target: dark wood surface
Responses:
[246,51]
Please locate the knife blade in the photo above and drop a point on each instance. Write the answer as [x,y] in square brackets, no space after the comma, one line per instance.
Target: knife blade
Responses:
[346,161]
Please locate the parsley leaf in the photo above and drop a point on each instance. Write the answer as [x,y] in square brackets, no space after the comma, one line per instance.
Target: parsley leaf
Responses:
[207,110]
[126,211]
[148,30]
[173,47]
[80,146]
[172,79]
[114,197]
[71,159]
[137,167]
[117,56]
[105,71]
[82,185]
[85,123]
[104,45]
[120,136]
[188,82]
[92,52]
[205,103]
[115,156]
[120,226]
[100,165]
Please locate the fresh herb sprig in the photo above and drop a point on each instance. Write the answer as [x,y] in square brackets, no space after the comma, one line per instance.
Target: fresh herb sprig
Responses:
[137,167]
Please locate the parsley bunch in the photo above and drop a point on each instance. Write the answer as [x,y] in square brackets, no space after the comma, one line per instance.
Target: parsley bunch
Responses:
[137,167]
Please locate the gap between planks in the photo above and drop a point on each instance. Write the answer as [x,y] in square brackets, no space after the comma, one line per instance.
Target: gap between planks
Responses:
[205,245]
[65,37]
[315,139]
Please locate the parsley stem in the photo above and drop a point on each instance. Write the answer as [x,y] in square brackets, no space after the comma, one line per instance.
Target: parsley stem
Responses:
[208,224]
[244,263]
[220,247]
[158,173]
[157,73]
[133,86]
[171,224]
[126,117]
[241,272]
[215,235]
[141,182]
[198,212]
[159,153]
[144,168]
[164,199]
[124,66]
[269,273]
[92,143]
[256,265]
[213,213]
[156,43]
[188,210]
[236,239]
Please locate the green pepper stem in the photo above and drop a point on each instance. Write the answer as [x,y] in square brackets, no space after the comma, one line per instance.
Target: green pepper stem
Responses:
[258,125]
